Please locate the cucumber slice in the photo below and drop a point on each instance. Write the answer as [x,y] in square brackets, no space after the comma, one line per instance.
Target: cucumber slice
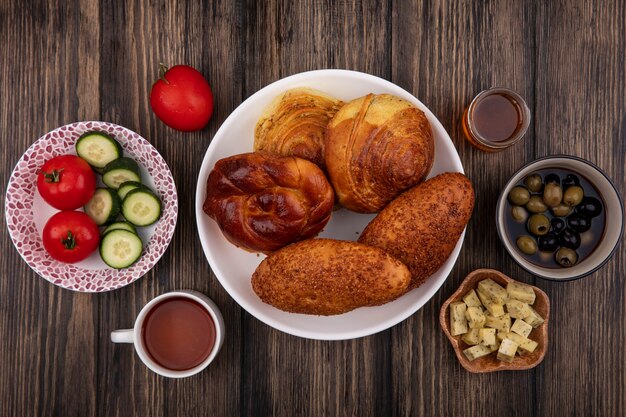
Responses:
[98,149]
[141,207]
[104,206]
[120,248]
[127,186]
[119,171]
[120,226]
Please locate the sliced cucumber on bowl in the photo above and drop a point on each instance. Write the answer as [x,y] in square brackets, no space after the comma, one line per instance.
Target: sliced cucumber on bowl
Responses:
[120,248]
[119,171]
[104,206]
[98,149]
[127,186]
[141,207]
[120,226]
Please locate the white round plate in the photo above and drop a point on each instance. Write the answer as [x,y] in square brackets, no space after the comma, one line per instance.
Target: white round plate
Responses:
[27,213]
[234,267]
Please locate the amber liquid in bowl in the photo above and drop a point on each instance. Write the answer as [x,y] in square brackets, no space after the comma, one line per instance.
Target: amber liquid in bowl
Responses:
[179,333]
[495,119]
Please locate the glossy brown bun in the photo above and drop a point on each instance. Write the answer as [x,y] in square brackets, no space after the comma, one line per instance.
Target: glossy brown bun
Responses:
[377,146]
[262,202]
[327,276]
[422,226]
[294,124]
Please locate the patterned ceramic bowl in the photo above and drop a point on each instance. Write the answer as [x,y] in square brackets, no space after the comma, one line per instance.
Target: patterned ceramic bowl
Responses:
[26,212]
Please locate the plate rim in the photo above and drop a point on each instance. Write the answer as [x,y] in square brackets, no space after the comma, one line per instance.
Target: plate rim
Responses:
[171,217]
[217,271]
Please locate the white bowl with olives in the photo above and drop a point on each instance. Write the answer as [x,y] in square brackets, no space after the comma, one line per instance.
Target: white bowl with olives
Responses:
[560,217]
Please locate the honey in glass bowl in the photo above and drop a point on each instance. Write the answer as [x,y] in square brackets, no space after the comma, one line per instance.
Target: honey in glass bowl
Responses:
[495,119]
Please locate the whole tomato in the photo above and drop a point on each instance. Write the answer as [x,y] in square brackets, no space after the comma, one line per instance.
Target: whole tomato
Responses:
[70,236]
[66,182]
[182,98]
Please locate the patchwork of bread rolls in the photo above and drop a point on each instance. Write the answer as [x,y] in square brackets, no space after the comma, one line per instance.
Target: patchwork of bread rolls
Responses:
[373,154]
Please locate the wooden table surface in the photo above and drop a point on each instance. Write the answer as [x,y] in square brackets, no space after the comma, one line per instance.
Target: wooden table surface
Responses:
[83,60]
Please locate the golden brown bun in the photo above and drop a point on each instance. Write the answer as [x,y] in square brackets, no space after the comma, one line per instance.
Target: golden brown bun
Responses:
[422,226]
[377,146]
[294,124]
[262,202]
[326,277]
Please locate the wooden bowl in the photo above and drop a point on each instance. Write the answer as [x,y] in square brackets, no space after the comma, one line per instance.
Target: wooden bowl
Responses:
[490,363]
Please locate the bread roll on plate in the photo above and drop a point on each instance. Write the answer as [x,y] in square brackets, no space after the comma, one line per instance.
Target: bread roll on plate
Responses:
[377,146]
[327,277]
[262,202]
[294,124]
[422,226]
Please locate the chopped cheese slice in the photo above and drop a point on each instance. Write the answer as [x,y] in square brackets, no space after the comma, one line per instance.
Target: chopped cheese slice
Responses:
[493,308]
[471,299]
[521,328]
[507,350]
[475,317]
[534,319]
[521,292]
[517,309]
[491,289]
[500,323]
[476,352]
[471,337]
[487,336]
[525,345]
[458,322]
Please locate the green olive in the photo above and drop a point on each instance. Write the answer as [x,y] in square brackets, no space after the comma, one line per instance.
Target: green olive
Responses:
[562,210]
[519,214]
[536,204]
[519,196]
[573,195]
[566,257]
[533,183]
[538,224]
[527,244]
[552,194]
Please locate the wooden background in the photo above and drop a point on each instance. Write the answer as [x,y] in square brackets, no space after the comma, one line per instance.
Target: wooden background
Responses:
[82,60]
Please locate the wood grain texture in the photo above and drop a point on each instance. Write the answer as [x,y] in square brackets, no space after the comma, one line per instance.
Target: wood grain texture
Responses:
[83,59]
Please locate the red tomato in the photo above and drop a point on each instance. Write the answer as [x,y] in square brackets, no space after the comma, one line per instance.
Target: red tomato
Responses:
[66,182]
[70,236]
[182,98]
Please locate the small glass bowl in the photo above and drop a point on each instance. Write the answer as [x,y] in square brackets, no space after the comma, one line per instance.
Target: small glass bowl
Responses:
[476,139]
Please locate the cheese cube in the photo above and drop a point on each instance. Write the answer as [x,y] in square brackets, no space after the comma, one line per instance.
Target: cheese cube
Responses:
[458,322]
[491,289]
[501,335]
[525,345]
[476,352]
[521,328]
[507,350]
[521,292]
[471,337]
[517,309]
[495,347]
[487,336]
[534,319]
[494,309]
[471,299]
[499,323]
[475,317]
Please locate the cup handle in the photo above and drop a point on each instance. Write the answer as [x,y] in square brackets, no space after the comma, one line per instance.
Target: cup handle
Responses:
[122,336]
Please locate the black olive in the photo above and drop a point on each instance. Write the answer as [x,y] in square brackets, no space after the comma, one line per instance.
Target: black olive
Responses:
[569,180]
[548,242]
[553,178]
[557,225]
[569,238]
[578,223]
[590,207]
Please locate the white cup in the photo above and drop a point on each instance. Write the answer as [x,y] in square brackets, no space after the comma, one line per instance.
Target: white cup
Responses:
[134,335]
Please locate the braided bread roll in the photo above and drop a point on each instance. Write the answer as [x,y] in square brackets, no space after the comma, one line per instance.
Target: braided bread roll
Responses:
[294,124]
[263,202]
[377,146]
